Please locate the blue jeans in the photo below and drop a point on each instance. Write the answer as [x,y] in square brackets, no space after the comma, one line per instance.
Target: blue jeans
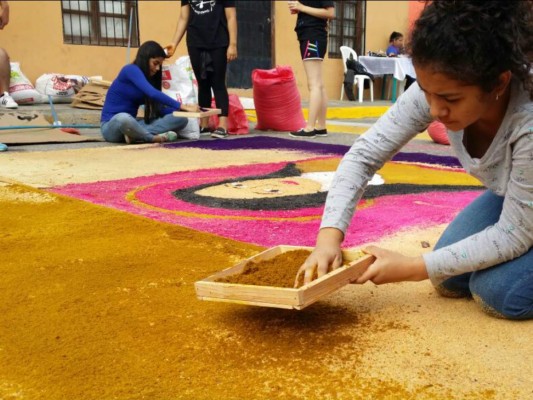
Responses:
[123,124]
[504,290]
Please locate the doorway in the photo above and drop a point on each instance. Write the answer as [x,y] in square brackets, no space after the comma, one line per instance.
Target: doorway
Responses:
[254,42]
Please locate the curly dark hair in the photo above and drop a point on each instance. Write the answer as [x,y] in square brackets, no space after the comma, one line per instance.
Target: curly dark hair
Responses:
[474,41]
[148,50]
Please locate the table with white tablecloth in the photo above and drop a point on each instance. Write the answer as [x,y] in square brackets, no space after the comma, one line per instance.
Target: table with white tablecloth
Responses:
[398,67]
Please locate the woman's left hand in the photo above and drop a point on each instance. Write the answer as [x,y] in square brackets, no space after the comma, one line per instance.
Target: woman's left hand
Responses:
[190,107]
[393,267]
[169,50]
[231,54]
[294,6]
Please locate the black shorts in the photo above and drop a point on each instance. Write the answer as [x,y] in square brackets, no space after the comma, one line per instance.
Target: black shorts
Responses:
[314,49]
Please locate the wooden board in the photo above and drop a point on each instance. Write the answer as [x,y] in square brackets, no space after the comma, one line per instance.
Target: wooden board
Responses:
[278,297]
[200,114]
[101,82]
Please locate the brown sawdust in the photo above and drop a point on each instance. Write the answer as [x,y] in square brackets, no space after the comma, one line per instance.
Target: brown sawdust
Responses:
[279,271]
[100,304]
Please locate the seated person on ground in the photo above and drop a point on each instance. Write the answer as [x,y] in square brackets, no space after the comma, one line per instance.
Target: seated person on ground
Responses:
[139,84]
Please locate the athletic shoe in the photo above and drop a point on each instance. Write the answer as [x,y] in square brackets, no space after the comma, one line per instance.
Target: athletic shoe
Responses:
[302,133]
[169,136]
[219,133]
[3,147]
[321,132]
[6,101]
[205,132]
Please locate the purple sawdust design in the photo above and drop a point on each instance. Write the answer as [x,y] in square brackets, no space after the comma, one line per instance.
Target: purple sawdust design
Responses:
[424,158]
[263,143]
[269,143]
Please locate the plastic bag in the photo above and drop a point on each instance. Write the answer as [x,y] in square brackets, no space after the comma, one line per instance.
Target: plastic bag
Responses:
[191,130]
[438,132]
[61,88]
[20,87]
[237,120]
[277,100]
[179,81]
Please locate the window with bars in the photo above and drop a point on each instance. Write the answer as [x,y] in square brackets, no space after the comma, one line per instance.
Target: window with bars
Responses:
[100,23]
[348,27]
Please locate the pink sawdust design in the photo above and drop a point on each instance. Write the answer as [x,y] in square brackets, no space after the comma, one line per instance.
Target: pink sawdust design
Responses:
[152,197]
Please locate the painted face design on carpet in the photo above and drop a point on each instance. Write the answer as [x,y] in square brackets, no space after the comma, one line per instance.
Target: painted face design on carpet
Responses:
[281,203]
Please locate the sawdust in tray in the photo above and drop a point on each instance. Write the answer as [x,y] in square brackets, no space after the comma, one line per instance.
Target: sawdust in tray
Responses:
[279,271]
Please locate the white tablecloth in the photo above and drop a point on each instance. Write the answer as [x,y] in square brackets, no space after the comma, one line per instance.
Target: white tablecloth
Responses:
[398,67]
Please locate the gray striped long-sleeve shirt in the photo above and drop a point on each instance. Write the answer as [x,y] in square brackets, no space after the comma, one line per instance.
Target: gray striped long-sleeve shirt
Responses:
[506,169]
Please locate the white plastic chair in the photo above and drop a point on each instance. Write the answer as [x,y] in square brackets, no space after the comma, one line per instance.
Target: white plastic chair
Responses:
[359,80]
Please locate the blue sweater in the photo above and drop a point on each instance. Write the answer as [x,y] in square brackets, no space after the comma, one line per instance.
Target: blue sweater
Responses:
[128,92]
[393,50]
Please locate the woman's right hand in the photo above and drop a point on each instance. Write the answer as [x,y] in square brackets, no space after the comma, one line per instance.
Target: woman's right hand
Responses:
[190,107]
[170,49]
[326,257]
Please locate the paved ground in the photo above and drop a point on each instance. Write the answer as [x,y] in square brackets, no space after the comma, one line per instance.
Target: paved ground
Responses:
[342,127]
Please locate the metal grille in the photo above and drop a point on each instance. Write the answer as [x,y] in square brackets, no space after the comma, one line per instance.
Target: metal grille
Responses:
[348,27]
[100,23]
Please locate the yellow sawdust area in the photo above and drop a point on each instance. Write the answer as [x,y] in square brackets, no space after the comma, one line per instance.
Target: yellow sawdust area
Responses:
[318,165]
[100,304]
[61,167]
[408,173]
[401,173]
[338,112]
[359,130]
[344,113]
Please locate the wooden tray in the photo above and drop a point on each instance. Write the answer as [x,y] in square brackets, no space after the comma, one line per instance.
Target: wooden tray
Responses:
[200,114]
[101,82]
[280,297]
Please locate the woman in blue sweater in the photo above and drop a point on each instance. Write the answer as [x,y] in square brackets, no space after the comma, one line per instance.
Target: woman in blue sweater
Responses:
[137,84]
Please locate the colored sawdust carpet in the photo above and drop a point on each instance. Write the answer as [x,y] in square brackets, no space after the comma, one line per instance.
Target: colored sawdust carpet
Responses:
[99,304]
[281,202]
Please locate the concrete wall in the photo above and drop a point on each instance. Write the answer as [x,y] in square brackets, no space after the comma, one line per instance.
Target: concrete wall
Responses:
[382,18]
[34,38]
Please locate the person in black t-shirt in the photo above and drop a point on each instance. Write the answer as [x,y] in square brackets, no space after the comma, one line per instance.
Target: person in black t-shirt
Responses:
[211,27]
[312,32]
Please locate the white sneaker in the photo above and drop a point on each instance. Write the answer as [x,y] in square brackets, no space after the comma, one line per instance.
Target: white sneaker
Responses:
[169,136]
[6,101]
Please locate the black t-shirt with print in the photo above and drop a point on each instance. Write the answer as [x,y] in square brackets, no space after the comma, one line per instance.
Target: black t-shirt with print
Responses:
[309,27]
[207,27]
